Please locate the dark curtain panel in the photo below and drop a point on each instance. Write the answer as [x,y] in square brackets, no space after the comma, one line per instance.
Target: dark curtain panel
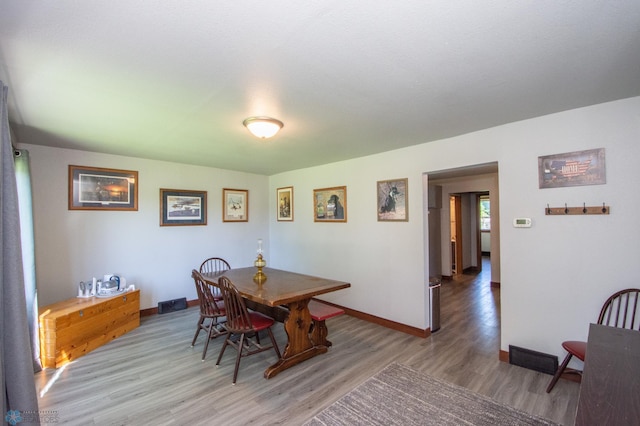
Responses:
[18,386]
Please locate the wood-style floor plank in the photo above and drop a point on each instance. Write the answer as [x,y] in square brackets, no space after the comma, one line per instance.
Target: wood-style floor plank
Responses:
[152,375]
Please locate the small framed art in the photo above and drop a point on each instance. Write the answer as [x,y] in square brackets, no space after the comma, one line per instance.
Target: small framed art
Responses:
[392,200]
[285,204]
[330,204]
[235,205]
[182,207]
[97,188]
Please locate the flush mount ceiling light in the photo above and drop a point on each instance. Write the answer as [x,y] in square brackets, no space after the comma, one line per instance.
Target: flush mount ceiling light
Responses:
[263,127]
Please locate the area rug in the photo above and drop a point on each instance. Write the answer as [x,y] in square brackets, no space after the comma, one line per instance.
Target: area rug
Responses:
[399,395]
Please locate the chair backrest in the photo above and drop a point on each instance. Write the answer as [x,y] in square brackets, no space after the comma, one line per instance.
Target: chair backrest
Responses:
[238,319]
[622,310]
[208,305]
[214,265]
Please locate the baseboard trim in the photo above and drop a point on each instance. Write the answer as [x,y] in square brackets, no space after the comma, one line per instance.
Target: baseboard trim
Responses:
[414,331]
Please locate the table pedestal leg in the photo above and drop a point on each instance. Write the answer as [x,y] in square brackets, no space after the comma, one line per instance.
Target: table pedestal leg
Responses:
[299,347]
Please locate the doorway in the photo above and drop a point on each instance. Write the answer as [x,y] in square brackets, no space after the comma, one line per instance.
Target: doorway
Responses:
[454,223]
[455,220]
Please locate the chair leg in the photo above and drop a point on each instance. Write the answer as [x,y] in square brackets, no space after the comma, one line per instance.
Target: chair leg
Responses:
[224,346]
[559,372]
[235,372]
[193,342]
[206,344]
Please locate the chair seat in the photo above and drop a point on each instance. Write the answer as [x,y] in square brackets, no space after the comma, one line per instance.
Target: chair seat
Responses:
[220,305]
[260,322]
[576,348]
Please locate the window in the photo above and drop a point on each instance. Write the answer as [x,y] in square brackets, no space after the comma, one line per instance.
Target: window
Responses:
[485,213]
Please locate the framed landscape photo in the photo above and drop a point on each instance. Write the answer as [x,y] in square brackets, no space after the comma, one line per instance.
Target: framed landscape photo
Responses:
[182,207]
[96,188]
[393,205]
[330,204]
[285,204]
[235,205]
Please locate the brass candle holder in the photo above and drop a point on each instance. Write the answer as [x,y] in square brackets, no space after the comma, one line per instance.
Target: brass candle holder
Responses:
[259,263]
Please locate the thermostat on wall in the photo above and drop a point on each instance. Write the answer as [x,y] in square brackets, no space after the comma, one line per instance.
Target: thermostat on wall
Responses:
[522,222]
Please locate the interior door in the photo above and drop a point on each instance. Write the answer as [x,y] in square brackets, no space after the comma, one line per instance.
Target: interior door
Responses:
[456,234]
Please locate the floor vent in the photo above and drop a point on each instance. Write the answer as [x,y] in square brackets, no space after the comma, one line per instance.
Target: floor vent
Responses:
[172,305]
[533,360]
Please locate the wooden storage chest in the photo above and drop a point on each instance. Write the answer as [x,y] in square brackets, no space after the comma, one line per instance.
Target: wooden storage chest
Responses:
[74,327]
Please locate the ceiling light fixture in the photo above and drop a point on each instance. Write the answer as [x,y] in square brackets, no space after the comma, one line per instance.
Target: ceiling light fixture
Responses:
[263,127]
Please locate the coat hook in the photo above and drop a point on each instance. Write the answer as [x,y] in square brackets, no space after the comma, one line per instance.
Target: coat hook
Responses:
[584,208]
[548,209]
[566,209]
[604,209]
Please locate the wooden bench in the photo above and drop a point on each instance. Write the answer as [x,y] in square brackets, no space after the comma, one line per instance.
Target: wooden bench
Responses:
[319,313]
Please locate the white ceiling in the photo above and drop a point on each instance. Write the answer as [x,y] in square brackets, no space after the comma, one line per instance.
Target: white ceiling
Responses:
[173,80]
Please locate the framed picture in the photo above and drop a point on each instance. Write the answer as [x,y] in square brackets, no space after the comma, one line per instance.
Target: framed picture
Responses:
[330,204]
[181,207]
[393,204]
[572,169]
[285,204]
[235,205]
[95,188]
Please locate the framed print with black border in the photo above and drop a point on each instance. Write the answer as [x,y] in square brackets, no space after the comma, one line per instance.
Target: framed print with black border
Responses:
[182,207]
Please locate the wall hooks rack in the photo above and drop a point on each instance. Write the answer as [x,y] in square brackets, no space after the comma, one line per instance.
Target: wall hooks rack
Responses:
[603,209]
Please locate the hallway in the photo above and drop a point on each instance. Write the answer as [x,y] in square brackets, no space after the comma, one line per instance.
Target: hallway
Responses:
[465,351]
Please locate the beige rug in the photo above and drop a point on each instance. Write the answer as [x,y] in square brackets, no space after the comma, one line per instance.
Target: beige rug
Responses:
[399,395]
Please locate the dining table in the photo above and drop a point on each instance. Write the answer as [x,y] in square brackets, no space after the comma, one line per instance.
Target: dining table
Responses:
[610,387]
[286,296]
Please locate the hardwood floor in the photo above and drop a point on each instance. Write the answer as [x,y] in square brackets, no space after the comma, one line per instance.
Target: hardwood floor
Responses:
[153,376]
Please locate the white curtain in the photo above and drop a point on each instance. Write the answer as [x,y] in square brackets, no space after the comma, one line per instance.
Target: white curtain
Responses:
[23,184]
[16,369]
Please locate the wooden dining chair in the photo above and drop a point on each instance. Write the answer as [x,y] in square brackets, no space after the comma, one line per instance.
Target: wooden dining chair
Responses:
[621,309]
[212,310]
[244,323]
[215,265]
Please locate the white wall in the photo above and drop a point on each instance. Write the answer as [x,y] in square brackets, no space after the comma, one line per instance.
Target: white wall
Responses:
[74,245]
[554,276]
[485,242]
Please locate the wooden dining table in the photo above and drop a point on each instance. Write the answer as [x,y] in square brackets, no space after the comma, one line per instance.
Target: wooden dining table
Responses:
[283,288]
[610,388]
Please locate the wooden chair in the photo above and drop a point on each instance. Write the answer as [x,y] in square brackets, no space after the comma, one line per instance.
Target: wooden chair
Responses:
[245,323]
[210,309]
[622,310]
[215,265]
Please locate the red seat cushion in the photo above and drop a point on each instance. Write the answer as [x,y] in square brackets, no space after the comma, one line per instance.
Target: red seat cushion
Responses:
[209,309]
[260,322]
[576,348]
[322,311]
